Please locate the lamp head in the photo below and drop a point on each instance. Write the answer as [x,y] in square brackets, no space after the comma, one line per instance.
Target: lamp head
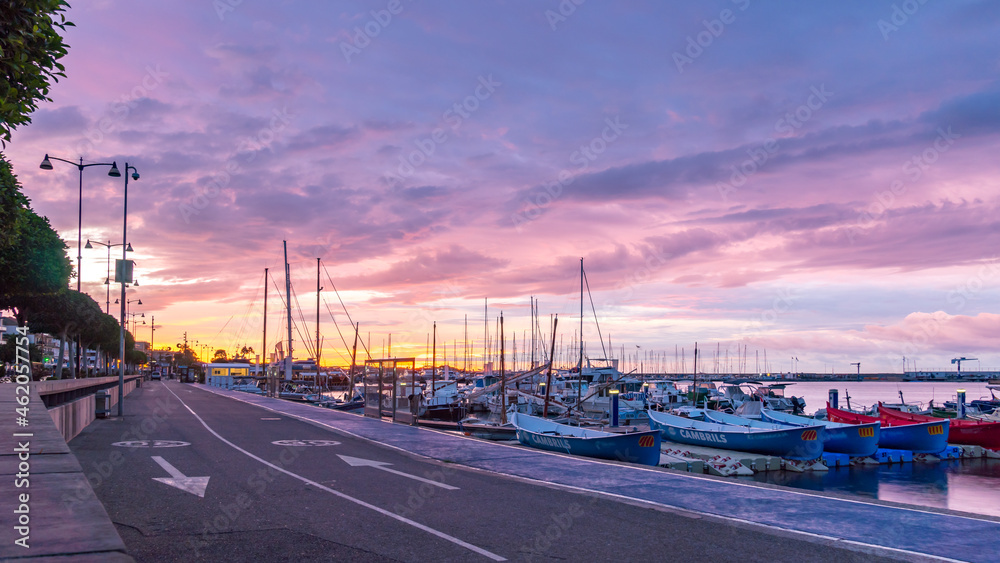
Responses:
[129,247]
[135,283]
[135,174]
[114,173]
[45,165]
[140,303]
[88,245]
[107,281]
[116,301]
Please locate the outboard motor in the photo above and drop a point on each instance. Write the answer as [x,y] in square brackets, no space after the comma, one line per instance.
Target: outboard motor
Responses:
[798,405]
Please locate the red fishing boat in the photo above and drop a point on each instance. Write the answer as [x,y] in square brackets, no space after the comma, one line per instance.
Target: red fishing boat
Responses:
[917,437]
[962,430]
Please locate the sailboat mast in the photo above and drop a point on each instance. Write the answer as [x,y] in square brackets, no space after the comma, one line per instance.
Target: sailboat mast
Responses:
[548,376]
[263,344]
[503,378]
[354,357]
[288,305]
[532,332]
[580,365]
[434,357]
[318,289]
[695,384]
[486,330]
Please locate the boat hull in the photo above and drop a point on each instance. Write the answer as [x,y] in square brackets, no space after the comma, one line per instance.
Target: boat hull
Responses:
[488,431]
[856,440]
[804,443]
[961,431]
[921,438]
[635,447]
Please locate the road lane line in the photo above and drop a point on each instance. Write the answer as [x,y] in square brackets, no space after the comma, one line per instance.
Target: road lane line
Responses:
[344,496]
[359,462]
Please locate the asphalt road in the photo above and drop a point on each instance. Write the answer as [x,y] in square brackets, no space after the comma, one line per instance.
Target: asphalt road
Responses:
[278,490]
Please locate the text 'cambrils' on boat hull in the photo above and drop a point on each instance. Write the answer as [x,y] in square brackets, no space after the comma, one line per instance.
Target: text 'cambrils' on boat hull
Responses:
[793,443]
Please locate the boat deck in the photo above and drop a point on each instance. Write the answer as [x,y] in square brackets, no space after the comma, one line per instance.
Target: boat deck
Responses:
[860,523]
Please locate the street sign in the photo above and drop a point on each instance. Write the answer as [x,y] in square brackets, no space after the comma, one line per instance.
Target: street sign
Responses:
[123,271]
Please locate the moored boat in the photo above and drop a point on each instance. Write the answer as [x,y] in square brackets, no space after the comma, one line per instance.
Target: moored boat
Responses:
[962,430]
[633,447]
[788,442]
[922,438]
[855,440]
[487,431]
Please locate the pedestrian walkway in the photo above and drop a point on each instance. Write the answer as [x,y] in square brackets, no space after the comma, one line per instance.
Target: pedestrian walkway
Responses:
[858,524]
[59,514]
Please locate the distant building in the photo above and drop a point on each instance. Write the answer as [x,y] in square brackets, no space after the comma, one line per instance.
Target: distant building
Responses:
[939,375]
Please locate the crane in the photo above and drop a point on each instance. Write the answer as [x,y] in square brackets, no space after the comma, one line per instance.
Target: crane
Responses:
[959,362]
[859,369]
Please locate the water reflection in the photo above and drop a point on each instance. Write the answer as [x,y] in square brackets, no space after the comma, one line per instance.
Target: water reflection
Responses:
[968,486]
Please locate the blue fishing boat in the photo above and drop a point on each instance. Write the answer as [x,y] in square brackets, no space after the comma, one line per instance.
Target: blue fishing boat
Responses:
[790,443]
[920,438]
[856,440]
[633,447]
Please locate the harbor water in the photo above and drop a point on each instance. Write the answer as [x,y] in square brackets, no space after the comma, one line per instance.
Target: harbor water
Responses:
[868,393]
[971,485]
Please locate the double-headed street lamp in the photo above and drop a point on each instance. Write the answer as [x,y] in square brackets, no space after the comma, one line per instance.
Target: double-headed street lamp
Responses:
[125,277]
[135,323]
[47,165]
[107,280]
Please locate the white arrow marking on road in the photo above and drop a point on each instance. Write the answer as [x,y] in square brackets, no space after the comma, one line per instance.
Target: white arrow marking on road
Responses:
[193,485]
[358,462]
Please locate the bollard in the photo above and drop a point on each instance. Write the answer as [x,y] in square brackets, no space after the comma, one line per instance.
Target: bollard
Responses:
[960,403]
[833,398]
[614,407]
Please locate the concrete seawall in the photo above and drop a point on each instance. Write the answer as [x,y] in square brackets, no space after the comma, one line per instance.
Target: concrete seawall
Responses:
[72,417]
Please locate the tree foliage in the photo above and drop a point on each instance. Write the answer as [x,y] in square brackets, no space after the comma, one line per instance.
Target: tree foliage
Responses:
[8,351]
[33,259]
[136,357]
[30,48]
[185,355]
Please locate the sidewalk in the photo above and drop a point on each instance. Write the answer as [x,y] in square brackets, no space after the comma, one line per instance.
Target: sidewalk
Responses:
[64,517]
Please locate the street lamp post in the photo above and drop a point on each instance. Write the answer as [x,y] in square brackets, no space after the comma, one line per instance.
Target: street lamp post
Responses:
[47,165]
[135,321]
[107,280]
[124,279]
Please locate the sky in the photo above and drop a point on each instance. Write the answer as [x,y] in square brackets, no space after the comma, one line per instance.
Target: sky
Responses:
[806,180]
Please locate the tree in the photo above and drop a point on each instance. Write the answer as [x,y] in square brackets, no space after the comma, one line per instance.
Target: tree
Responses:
[33,258]
[63,312]
[185,356]
[30,47]
[108,336]
[220,356]
[8,352]
[136,357]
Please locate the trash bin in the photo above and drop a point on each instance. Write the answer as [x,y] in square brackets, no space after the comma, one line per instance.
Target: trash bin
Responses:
[102,400]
